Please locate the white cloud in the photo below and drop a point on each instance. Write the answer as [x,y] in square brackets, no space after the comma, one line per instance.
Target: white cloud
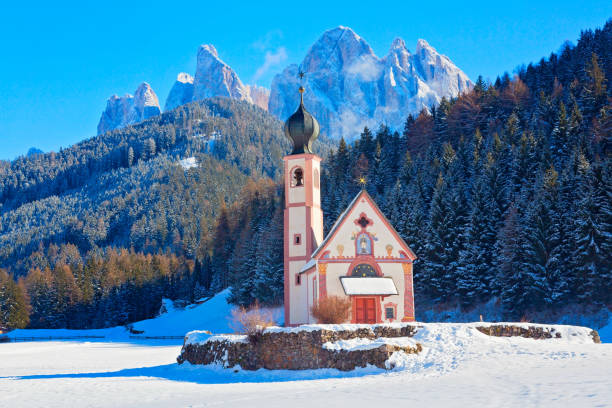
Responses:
[368,68]
[269,40]
[351,124]
[272,59]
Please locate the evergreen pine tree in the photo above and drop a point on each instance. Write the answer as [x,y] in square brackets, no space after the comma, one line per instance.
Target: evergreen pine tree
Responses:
[435,252]
[475,274]
[560,142]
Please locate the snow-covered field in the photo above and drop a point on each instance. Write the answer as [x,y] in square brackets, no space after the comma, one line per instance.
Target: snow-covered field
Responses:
[458,367]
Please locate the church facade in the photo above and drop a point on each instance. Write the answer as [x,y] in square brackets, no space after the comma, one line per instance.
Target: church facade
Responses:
[362,257]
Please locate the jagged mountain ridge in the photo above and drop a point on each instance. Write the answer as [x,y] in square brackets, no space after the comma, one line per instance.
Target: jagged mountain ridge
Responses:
[348,86]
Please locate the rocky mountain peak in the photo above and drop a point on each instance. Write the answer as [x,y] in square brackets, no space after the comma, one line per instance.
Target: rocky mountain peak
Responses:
[145,103]
[184,78]
[181,92]
[442,75]
[399,55]
[335,49]
[208,49]
[214,77]
[349,87]
[259,95]
[124,110]
[398,43]
[145,96]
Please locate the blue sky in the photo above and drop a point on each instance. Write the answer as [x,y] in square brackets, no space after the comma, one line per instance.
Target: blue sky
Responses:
[62,60]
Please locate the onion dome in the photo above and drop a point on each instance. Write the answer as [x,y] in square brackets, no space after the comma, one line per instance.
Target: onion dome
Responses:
[302,128]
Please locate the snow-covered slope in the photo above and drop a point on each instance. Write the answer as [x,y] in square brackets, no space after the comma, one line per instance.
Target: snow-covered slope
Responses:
[348,86]
[125,110]
[213,315]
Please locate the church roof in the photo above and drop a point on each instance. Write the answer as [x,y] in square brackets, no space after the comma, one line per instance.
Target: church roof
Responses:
[368,286]
[342,217]
[309,265]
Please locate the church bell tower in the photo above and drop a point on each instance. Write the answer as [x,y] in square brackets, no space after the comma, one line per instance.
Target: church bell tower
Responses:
[303,223]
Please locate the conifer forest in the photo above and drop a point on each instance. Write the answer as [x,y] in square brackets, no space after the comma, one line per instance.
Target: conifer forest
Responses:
[504,194]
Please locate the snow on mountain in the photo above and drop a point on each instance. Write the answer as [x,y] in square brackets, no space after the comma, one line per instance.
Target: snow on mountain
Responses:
[124,110]
[349,87]
[442,76]
[181,92]
[260,96]
[214,77]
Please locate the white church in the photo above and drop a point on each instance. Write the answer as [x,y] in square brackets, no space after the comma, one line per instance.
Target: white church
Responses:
[362,257]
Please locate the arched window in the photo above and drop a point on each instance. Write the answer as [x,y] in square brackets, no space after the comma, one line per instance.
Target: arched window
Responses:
[364,244]
[297,177]
[363,270]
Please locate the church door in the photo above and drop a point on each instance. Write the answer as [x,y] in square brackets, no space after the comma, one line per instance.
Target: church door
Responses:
[365,310]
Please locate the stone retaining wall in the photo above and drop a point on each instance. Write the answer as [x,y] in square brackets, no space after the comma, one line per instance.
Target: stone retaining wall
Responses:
[531,332]
[303,348]
[299,350]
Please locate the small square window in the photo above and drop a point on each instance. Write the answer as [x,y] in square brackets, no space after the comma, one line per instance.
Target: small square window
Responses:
[297,239]
[389,313]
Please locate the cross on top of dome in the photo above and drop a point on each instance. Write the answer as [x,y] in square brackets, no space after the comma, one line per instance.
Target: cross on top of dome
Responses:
[301,127]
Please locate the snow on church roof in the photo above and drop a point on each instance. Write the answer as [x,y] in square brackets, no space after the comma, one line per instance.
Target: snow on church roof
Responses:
[309,264]
[368,286]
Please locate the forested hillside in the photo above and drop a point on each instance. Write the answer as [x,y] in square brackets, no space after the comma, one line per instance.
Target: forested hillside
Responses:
[126,188]
[503,193]
[66,217]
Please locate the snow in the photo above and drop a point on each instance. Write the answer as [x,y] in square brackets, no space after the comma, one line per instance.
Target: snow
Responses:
[368,286]
[313,327]
[458,367]
[310,264]
[201,337]
[212,315]
[188,163]
[368,344]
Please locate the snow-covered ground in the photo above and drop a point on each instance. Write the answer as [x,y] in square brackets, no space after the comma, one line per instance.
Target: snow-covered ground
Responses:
[188,163]
[212,315]
[458,367]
